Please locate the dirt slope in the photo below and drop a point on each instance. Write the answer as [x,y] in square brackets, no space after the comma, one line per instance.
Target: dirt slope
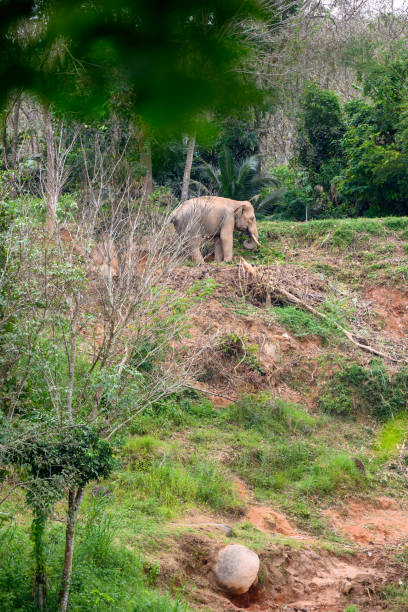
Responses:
[246,348]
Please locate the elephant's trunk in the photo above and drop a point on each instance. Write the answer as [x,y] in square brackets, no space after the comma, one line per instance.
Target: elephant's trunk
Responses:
[253,242]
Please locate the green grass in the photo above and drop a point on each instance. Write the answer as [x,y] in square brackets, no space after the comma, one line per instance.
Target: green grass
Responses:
[161,480]
[303,324]
[292,460]
[105,576]
[298,467]
[391,436]
[337,233]
[363,245]
[396,595]
[284,453]
[264,413]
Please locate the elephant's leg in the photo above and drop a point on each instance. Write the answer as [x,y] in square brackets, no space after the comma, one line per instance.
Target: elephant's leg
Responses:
[196,253]
[219,254]
[226,237]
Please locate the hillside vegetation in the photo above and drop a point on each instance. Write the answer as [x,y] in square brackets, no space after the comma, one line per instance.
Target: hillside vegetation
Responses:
[154,411]
[295,446]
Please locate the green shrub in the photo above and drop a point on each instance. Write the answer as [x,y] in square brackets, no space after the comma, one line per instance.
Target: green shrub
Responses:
[15,570]
[294,197]
[373,390]
[237,348]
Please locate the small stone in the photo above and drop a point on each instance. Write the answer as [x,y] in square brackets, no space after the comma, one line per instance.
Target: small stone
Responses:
[271,350]
[237,568]
[226,529]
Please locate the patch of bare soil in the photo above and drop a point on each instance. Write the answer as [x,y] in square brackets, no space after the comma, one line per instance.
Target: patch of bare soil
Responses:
[242,490]
[302,577]
[305,579]
[378,522]
[391,306]
[232,281]
[269,353]
[263,354]
[267,520]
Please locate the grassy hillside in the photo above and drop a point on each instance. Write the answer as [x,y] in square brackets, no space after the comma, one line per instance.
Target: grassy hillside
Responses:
[297,445]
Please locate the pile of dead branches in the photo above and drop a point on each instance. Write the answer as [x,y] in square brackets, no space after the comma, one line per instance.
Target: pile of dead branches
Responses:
[262,284]
[275,285]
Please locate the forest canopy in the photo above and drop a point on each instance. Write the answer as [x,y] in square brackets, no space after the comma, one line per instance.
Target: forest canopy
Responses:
[170,61]
[316,133]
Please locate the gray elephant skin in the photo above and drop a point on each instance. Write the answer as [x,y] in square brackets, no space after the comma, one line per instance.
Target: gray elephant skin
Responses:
[215,217]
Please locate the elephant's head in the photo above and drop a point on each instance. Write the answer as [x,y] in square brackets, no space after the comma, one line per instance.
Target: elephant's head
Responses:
[245,222]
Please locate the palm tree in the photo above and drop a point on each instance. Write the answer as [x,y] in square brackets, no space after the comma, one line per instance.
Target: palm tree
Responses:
[240,181]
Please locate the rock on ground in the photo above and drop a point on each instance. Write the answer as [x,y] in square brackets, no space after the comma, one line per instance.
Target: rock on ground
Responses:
[236,568]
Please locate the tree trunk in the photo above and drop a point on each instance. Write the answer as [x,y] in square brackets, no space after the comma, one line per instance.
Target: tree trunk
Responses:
[187,168]
[146,162]
[5,151]
[74,502]
[40,575]
[15,124]
[146,158]
[51,187]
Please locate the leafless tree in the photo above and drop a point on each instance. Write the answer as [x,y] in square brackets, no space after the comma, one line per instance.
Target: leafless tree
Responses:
[145,150]
[59,145]
[96,304]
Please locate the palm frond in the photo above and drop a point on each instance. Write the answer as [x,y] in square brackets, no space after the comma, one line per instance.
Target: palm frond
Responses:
[267,203]
[200,186]
[227,174]
[260,181]
[212,173]
[237,181]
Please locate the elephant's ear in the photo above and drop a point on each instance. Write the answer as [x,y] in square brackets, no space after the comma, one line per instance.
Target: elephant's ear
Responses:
[240,210]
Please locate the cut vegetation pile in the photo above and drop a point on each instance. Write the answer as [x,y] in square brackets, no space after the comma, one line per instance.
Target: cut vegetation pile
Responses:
[267,286]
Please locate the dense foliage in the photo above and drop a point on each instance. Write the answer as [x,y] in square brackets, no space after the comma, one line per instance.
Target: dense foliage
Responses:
[76,55]
[356,156]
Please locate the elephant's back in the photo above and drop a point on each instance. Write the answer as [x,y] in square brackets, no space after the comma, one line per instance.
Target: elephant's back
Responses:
[205,213]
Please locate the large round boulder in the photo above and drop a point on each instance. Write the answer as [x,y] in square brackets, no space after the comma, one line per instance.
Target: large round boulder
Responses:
[236,568]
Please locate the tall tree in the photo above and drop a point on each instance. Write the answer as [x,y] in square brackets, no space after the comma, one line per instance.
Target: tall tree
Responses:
[187,168]
[15,125]
[51,186]
[59,143]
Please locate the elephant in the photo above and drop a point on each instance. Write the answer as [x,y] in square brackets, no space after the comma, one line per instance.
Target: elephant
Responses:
[215,217]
